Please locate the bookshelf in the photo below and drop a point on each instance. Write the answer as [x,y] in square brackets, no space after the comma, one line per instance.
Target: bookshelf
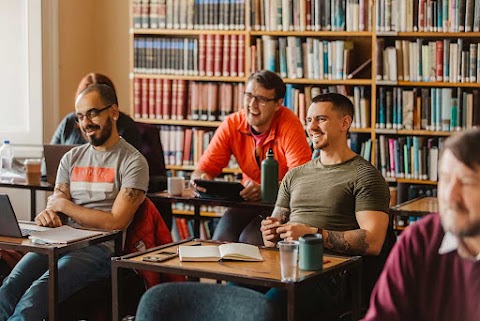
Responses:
[403,95]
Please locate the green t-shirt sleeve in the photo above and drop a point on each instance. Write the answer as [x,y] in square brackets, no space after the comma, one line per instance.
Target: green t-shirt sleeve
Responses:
[371,190]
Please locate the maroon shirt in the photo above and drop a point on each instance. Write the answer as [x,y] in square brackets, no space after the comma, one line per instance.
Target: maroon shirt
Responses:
[417,283]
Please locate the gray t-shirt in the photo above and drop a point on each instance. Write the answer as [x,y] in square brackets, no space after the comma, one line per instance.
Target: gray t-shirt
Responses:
[328,196]
[96,177]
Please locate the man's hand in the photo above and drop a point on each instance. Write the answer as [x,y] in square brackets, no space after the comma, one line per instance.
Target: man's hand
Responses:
[269,231]
[48,218]
[251,192]
[198,175]
[58,204]
[292,231]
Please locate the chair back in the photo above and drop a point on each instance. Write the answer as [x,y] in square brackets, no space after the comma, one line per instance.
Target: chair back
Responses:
[148,230]
[190,301]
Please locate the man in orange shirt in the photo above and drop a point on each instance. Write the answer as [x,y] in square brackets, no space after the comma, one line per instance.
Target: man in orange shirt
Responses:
[248,134]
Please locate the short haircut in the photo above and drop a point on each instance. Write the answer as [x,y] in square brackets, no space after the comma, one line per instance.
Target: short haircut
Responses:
[464,146]
[106,93]
[339,102]
[92,79]
[269,80]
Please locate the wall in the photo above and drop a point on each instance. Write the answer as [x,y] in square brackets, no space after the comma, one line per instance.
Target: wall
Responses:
[93,36]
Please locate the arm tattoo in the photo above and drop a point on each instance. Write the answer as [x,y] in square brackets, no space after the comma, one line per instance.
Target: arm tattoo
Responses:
[63,188]
[357,246]
[131,194]
[282,213]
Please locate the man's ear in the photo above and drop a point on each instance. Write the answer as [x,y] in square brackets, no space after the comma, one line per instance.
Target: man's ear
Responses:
[116,112]
[347,122]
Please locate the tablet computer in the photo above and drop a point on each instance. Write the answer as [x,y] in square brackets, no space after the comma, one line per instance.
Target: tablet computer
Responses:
[220,190]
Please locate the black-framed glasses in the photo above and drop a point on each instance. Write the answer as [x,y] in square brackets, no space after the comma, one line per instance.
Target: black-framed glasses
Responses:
[260,99]
[91,114]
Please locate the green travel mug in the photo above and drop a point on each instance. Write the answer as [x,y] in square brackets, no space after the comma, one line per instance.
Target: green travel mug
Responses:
[311,252]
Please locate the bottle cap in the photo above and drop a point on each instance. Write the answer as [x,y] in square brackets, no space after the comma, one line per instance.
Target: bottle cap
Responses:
[311,238]
[270,152]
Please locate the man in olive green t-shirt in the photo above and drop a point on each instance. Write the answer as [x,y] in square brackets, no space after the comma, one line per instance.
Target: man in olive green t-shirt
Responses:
[340,195]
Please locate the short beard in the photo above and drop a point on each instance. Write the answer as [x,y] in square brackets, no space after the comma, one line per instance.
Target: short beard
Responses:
[449,224]
[104,134]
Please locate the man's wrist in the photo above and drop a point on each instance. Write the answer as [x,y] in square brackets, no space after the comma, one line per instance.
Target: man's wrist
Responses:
[319,230]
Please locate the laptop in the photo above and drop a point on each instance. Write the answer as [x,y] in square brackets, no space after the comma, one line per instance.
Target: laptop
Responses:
[53,154]
[9,225]
[223,190]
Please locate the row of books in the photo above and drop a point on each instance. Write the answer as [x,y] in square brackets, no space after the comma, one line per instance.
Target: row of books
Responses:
[298,99]
[209,55]
[314,15]
[411,157]
[441,60]
[296,57]
[360,145]
[181,99]
[428,15]
[436,109]
[189,14]
[182,228]
[168,56]
[184,146]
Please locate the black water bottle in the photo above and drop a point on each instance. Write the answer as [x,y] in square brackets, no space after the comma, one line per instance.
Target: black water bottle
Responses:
[269,178]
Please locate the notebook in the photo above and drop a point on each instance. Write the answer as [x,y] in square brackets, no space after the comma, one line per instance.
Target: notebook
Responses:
[220,190]
[9,225]
[53,154]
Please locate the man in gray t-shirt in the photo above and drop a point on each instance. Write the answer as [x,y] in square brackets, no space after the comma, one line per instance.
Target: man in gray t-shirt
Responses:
[338,194]
[100,185]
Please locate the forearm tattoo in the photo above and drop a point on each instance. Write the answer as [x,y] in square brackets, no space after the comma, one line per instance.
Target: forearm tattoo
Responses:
[282,213]
[131,194]
[63,188]
[336,241]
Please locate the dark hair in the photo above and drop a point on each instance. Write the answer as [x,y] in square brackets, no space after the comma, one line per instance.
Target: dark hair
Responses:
[106,93]
[340,103]
[92,79]
[464,146]
[269,80]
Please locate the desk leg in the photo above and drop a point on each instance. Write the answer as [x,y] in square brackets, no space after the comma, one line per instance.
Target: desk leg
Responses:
[53,286]
[115,295]
[33,204]
[291,297]
[356,290]
[196,221]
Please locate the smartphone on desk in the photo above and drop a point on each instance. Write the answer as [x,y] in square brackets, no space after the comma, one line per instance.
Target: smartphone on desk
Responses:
[159,257]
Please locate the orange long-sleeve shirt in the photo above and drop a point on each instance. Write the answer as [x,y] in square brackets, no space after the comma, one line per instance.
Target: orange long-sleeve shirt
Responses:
[286,138]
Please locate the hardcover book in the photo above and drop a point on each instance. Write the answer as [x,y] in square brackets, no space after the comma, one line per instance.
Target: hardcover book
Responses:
[228,251]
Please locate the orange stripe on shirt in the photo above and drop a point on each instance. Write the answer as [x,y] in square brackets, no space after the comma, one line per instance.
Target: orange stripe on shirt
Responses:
[93,174]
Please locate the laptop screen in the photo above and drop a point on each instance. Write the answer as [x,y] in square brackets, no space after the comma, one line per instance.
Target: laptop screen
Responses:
[53,154]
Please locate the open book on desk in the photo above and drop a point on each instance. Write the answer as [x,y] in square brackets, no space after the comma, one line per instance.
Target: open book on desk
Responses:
[62,235]
[228,251]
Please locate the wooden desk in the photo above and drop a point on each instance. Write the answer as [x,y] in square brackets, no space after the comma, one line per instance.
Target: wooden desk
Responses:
[416,207]
[187,197]
[266,273]
[53,251]
[403,213]
[43,186]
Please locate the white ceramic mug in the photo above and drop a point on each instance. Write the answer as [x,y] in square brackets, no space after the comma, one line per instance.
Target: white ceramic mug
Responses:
[175,185]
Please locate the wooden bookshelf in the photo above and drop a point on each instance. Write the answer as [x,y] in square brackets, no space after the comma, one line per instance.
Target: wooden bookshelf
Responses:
[365,41]
[191,213]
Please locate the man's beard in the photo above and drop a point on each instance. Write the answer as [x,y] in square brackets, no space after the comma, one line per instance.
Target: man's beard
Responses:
[453,224]
[104,134]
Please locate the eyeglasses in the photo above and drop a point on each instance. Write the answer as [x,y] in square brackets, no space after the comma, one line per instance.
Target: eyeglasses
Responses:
[262,101]
[91,114]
